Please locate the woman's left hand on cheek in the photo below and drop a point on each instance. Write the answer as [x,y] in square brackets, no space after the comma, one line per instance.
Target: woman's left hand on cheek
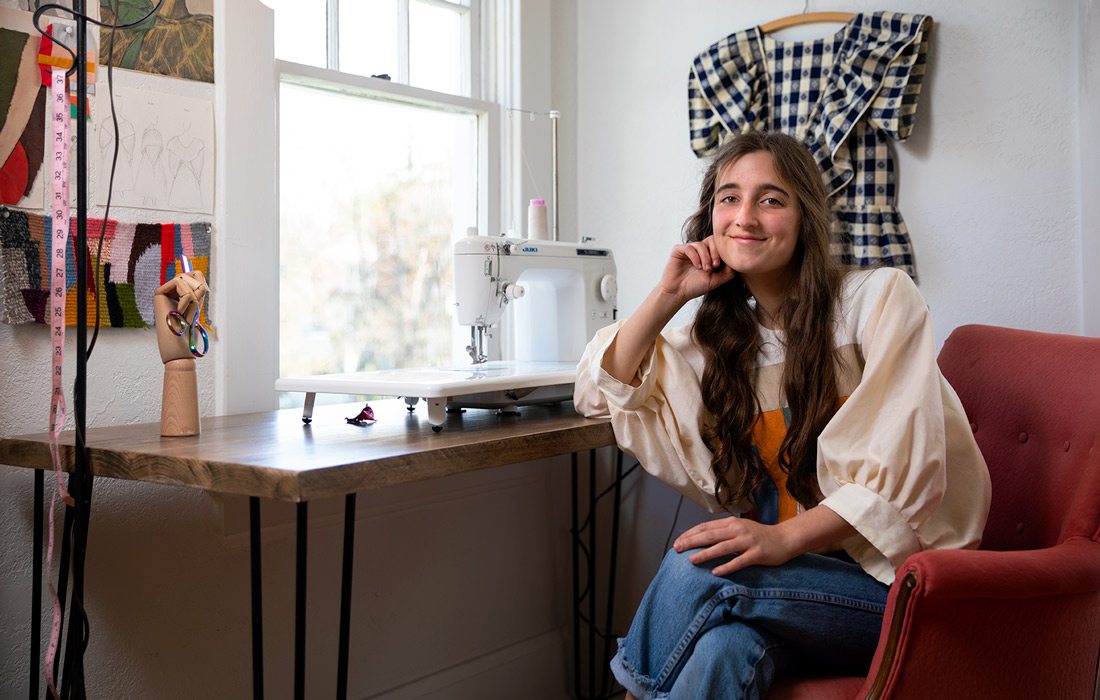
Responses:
[751,542]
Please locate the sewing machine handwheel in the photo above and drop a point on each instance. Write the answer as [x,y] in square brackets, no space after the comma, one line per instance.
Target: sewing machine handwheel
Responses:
[609,288]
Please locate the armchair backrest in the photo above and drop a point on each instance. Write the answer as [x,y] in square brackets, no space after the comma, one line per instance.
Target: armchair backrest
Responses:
[1033,400]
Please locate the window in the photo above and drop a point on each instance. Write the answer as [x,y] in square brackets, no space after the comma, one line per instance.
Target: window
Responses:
[432,44]
[377,178]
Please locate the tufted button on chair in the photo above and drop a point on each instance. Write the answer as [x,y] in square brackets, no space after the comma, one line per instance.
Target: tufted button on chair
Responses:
[1020,617]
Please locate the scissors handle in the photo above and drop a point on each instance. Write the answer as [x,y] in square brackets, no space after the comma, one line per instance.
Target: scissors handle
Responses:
[192,345]
[178,324]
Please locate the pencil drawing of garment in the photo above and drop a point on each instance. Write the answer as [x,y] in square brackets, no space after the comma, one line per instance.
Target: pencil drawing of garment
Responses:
[185,163]
[124,168]
[151,182]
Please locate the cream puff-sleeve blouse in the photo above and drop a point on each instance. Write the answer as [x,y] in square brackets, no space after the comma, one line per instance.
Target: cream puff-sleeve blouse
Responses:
[898,461]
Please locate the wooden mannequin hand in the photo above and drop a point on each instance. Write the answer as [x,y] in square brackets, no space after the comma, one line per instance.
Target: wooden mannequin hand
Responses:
[184,294]
[186,289]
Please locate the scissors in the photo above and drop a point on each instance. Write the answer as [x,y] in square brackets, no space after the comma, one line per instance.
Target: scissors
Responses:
[177,323]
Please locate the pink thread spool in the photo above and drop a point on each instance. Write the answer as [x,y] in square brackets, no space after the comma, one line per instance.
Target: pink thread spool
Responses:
[537,228]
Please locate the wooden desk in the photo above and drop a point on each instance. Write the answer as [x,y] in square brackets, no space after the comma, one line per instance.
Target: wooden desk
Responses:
[275,455]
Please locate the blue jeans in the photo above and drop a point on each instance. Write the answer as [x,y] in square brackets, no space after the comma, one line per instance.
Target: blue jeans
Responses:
[697,635]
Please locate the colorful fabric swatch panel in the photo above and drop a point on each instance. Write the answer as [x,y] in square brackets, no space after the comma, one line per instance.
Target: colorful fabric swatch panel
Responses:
[135,260]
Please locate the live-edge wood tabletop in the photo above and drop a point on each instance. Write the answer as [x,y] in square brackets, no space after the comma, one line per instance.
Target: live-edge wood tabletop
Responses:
[275,455]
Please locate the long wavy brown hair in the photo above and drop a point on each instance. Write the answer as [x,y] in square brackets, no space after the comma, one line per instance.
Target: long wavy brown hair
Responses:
[726,328]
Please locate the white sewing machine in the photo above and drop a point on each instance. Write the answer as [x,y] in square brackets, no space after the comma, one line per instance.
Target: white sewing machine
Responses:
[559,295]
[532,306]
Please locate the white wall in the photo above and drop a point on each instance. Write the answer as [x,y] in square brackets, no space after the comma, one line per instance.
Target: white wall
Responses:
[1088,86]
[247,238]
[988,182]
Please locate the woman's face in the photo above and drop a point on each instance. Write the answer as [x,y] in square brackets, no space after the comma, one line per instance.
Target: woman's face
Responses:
[756,218]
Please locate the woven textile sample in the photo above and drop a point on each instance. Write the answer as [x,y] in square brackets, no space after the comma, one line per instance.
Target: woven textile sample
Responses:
[135,260]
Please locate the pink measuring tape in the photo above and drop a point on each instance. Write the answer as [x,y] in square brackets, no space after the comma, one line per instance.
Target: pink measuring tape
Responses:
[59,238]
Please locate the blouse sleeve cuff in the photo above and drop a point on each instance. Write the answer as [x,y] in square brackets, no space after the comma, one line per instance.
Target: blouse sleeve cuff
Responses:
[618,394]
[876,520]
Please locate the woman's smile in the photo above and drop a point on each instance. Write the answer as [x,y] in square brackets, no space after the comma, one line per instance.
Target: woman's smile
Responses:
[756,218]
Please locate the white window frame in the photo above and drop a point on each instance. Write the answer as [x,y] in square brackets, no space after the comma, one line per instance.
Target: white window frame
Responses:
[476,54]
[487,114]
[471,39]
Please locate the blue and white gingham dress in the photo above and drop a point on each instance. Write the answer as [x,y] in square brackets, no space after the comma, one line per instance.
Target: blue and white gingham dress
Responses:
[843,96]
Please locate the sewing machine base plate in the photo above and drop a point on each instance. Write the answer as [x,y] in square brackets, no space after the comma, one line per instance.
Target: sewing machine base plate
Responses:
[501,385]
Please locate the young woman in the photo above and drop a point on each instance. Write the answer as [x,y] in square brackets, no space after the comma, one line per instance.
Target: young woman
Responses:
[805,399]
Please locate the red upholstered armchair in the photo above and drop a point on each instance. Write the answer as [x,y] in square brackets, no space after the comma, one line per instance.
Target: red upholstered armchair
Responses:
[1020,617]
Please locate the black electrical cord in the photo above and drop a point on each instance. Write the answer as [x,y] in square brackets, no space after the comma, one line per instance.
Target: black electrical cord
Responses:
[42,9]
[110,185]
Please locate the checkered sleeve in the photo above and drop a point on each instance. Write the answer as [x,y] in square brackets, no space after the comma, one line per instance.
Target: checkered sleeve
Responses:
[726,92]
[895,105]
[882,65]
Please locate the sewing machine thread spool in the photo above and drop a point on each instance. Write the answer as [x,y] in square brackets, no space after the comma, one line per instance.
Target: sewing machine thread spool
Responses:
[537,228]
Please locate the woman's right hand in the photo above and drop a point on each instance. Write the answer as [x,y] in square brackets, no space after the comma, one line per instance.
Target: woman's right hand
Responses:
[693,269]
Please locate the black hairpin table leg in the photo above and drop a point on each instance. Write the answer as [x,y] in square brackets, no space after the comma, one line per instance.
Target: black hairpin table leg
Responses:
[257,600]
[300,579]
[592,656]
[345,598]
[600,643]
[300,603]
[574,535]
[36,583]
[612,570]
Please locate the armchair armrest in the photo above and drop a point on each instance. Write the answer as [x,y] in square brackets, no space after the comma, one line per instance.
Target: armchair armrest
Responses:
[991,624]
[1065,569]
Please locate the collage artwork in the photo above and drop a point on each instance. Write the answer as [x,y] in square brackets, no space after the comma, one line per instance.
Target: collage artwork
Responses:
[164,162]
